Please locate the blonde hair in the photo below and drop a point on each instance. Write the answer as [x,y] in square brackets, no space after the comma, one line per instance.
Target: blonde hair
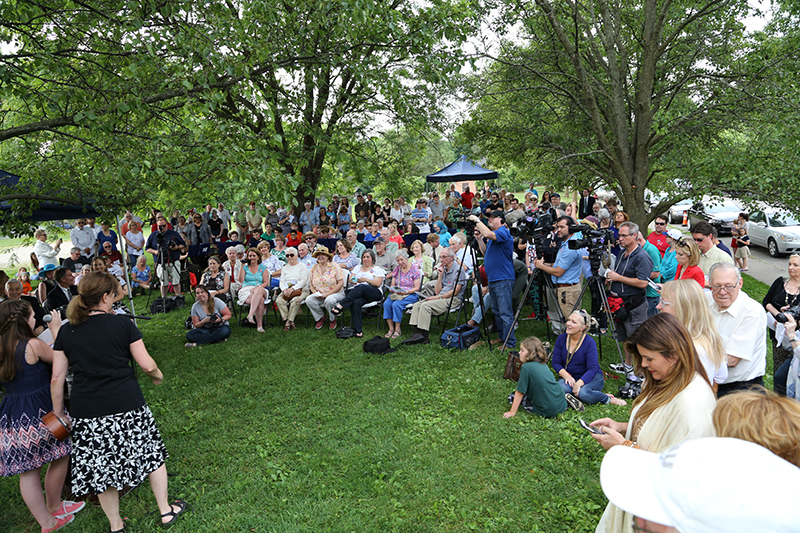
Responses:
[664,334]
[536,350]
[689,248]
[691,308]
[762,417]
[91,289]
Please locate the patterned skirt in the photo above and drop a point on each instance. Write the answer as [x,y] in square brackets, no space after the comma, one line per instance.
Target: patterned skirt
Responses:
[26,444]
[115,451]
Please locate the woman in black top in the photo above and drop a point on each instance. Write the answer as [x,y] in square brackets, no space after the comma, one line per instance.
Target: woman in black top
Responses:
[783,294]
[115,440]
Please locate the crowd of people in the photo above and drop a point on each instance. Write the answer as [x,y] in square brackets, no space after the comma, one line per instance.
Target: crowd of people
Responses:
[691,335]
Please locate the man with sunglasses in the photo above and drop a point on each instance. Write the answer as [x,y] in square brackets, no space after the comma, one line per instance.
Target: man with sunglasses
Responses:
[629,280]
[702,233]
[742,324]
[658,237]
[171,244]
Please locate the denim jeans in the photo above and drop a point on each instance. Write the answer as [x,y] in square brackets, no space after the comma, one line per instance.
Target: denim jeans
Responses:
[591,392]
[500,292]
[208,335]
[393,309]
[477,316]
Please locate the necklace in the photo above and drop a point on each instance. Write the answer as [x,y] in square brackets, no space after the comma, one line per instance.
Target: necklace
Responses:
[572,353]
[787,301]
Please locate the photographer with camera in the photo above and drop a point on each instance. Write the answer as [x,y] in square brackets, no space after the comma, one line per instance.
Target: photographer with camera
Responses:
[210,318]
[628,281]
[166,246]
[565,273]
[497,246]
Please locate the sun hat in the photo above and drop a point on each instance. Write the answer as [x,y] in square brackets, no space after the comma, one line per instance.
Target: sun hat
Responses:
[322,250]
[48,267]
[705,485]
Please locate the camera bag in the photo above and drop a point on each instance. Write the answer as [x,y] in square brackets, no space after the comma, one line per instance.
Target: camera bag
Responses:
[461,337]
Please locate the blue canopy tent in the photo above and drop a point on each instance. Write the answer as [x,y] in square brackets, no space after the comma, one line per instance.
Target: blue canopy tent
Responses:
[47,210]
[462,169]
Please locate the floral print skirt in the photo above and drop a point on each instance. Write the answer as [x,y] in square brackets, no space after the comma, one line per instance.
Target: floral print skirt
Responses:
[115,451]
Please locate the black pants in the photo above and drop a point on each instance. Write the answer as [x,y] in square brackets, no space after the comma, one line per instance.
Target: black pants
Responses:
[359,296]
[727,388]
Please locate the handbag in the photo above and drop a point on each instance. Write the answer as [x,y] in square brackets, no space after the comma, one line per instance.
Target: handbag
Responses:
[56,425]
[461,337]
[513,366]
[294,294]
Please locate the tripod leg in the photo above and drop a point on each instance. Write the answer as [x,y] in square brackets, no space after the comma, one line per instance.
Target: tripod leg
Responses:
[521,304]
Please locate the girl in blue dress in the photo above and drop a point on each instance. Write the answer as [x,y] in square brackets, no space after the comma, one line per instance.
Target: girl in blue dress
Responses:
[26,444]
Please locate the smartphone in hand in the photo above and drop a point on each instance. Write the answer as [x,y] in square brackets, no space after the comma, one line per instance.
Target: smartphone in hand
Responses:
[590,428]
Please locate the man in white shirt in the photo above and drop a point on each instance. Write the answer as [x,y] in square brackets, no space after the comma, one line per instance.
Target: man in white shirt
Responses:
[224,215]
[83,237]
[742,324]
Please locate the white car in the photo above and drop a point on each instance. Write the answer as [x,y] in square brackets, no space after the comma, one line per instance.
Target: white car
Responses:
[777,231]
[676,212]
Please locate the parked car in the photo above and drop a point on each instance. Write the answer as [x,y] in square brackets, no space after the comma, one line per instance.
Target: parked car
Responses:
[777,231]
[676,212]
[719,212]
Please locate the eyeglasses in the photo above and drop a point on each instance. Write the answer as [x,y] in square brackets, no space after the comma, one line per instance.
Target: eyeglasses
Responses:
[290,255]
[162,227]
[310,238]
[683,243]
[726,288]
[663,302]
[621,235]
[660,223]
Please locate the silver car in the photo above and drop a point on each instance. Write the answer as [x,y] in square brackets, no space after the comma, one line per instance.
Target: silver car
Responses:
[777,231]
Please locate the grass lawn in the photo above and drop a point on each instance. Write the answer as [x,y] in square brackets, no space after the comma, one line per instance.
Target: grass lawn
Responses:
[300,431]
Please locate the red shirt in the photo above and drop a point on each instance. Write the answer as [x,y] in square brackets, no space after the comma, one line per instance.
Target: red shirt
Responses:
[466,199]
[659,240]
[691,272]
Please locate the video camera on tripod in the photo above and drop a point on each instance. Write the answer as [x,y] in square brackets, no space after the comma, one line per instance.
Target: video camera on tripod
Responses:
[596,241]
[531,226]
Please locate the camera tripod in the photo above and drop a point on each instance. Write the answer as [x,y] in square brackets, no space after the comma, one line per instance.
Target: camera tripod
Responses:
[474,279]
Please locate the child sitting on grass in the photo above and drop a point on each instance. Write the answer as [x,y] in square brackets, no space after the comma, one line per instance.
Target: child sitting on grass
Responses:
[537,391]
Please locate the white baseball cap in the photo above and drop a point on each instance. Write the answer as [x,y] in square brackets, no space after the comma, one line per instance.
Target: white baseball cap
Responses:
[705,485]
[675,234]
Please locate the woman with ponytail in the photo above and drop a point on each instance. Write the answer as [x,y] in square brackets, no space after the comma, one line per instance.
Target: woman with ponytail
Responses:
[26,444]
[115,439]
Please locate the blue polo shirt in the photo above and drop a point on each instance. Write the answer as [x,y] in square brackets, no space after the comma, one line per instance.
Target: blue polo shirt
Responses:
[570,260]
[499,258]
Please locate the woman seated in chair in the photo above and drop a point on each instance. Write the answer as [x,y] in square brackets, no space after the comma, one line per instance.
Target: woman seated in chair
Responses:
[293,288]
[209,318]
[273,264]
[368,280]
[326,285]
[424,263]
[279,250]
[215,280]
[254,279]
[406,281]
[232,267]
[46,281]
[343,257]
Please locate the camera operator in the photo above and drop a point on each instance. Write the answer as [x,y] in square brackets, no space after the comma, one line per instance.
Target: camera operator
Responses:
[497,245]
[166,246]
[629,280]
[565,273]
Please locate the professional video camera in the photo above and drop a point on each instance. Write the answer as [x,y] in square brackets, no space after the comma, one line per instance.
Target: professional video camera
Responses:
[793,311]
[532,225]
[461,217]
[596,241]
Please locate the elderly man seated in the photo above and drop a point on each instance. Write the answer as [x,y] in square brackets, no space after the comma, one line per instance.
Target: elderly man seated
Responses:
[14,292]
[451,279]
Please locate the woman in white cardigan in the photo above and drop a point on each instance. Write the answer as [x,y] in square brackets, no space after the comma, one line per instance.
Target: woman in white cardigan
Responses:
[676,403]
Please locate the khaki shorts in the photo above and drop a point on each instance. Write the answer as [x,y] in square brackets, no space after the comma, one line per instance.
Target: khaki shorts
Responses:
[172,274]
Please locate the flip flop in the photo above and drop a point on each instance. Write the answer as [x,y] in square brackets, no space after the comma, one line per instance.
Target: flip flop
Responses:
[337,309]
[181,505]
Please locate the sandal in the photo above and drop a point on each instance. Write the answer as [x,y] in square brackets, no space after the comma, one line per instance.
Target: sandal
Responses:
[359,335]
[337,309]
[389,335]
[190,345]
[181,505]
[396,334]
